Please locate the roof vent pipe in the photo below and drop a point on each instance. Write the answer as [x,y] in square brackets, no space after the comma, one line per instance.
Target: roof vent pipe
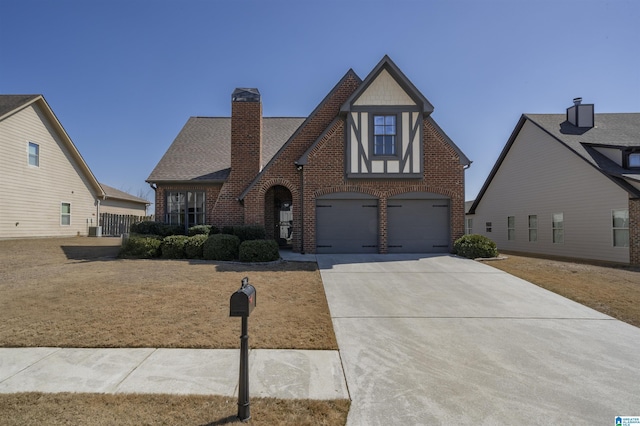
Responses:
[577,101]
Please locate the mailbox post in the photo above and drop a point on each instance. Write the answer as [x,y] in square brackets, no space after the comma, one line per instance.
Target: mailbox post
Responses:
[241,304]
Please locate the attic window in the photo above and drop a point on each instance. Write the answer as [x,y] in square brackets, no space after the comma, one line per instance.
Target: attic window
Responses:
[384,131]
[634,160]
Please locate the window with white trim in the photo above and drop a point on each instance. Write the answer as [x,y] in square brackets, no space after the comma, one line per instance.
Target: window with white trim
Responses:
[65,214]
[620,223]
[469,226]
[511,228]
[487,226]
[34,154]
[558,228]
[533,228]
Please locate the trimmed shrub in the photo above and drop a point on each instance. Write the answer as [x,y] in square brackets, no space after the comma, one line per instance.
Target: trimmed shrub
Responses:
[199,229]
[246,232]
[259,251]
[156,228]
[474,246]
[221,247]
[193,246]
[140,247]
[172,247]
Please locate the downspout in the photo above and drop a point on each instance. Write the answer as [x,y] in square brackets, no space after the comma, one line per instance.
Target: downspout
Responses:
[300,168]
[155,199]
[97,211]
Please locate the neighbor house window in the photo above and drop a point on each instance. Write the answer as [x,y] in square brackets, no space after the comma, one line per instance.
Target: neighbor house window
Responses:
[384,135]
[620,228]
[185,208]
[511,228]
[34,154]
[558,228]
[634,160]
[533,228]
[65,214]
[469,226]
[487,226]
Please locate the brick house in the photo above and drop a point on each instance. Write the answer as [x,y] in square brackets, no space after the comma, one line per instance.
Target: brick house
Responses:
[369,170]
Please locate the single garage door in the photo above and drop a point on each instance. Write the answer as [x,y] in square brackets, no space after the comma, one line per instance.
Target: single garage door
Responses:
[417,225]
[347,225]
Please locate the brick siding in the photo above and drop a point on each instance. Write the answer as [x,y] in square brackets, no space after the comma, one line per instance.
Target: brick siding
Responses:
[323,174]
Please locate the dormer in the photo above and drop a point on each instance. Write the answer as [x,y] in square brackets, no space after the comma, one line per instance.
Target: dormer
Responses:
[384,121]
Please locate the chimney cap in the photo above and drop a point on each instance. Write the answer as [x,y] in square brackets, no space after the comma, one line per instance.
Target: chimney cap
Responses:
[577,101]
[244,94]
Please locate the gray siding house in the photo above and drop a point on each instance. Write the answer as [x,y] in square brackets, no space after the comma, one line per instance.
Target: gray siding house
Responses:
[566,185]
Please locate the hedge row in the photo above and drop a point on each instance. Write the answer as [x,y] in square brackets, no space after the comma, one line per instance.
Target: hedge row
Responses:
[244,232]
[199,246]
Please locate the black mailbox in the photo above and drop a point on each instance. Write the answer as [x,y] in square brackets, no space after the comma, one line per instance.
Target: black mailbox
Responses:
[243,301]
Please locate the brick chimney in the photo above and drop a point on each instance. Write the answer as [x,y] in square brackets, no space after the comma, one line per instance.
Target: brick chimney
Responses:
[246,156]
[246,136]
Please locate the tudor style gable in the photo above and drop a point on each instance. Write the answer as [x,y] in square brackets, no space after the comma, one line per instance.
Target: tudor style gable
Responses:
[384,126]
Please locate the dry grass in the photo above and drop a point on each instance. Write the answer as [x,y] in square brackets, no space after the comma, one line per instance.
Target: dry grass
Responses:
[73,292]
[97,409]
[611,289]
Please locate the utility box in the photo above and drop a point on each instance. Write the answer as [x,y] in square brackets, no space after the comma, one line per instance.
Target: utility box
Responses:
[95,231]
[243,301]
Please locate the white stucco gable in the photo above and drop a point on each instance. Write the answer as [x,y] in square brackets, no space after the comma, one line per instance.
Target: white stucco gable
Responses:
[384,90]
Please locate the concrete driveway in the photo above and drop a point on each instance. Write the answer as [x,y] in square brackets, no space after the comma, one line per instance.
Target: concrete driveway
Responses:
[428,340]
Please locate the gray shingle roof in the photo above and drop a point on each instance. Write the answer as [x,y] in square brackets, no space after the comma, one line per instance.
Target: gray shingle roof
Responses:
[10,102]
[621,130]
[616,130]
[202,149]
[111,192]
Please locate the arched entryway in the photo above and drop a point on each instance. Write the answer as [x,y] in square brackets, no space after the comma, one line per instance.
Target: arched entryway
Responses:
[278,212]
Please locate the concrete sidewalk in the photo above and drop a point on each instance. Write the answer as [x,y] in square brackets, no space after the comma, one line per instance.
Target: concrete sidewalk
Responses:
[444,340]
[298,374]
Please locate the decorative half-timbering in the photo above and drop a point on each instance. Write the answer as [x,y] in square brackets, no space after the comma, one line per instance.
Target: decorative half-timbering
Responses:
[385,127]
[368,171]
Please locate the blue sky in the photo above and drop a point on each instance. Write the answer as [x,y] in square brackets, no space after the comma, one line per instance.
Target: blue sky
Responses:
[123,77]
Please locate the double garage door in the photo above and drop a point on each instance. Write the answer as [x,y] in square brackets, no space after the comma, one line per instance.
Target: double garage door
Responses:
[350,225]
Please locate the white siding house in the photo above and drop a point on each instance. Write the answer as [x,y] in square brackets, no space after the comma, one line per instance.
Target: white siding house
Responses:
[46,188]
[563,190]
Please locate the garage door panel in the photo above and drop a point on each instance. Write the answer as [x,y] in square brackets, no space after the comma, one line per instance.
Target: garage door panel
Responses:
[418,226]
[346,226]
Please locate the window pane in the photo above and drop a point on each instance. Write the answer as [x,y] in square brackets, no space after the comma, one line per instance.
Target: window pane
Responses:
[33,154]
[621,218]
[389,145]
[378,120]
[390,120]
[621,238]
[511,221]
[533,235]
[558,219]
[65,214]
[634,160]
[533,221]
[558,236]
[379,130]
